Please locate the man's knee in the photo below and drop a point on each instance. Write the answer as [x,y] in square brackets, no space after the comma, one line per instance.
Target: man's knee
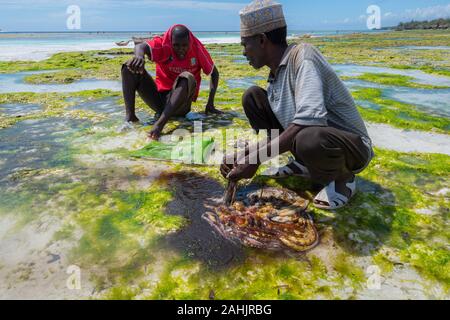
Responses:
[182,83]
[188,76]
[127,72]
[182,86]
[250,95]
[187,81]
[124,69]
[309,142]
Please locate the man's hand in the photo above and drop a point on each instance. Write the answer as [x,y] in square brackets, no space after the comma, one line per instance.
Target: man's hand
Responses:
[230,169]
[155,133]
[136,64]
[229,162]
[211,109]
[243,171]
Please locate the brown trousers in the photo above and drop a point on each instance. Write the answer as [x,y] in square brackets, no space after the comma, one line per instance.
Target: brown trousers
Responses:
[327,152]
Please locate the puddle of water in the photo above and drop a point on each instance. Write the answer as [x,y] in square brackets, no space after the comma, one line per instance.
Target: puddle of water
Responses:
[108,106]
[15,83]
[74,100]
[195,116]
[367,104]
[114,111]
[226,54]
[419,76]
[436,101]
[36,144]
[204,85]
[236,58]
[17,110]
[240,61]
[355,83]
[243,83]
[110,56]
[116,115]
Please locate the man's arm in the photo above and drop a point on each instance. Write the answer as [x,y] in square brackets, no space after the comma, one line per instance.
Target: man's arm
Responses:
[282,144]
[214,84]
[137,64]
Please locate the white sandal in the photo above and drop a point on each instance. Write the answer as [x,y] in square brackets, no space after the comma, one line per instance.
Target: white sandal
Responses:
[286,171]
[334,199]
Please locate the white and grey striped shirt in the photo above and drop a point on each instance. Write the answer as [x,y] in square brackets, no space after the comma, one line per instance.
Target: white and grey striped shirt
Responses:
[307,91]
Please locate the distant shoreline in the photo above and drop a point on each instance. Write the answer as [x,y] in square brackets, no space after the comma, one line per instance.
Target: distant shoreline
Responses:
[35,46]
[437,24]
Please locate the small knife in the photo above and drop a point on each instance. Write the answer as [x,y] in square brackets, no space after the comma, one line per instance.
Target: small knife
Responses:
[230,193]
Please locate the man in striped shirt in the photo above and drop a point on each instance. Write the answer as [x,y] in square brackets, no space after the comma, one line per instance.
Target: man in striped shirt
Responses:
[310,106]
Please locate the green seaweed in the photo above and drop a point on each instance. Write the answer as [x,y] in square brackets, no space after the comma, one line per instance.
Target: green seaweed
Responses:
[65,77]
[431,261]
[394,80]
[258,278]
[398,114]
[55,105]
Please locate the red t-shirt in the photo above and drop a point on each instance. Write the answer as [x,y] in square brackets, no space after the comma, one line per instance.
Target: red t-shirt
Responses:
[169,67]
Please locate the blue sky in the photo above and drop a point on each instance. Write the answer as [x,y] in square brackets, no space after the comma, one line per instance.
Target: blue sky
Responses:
[149,15]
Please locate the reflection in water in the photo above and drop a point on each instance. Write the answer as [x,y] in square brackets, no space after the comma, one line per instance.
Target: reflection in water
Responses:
[435,100]
[352,70]
[19,110]
[108,106]
[15,83]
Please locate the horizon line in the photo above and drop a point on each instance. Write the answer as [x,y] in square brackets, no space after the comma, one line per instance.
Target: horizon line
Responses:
[159,31]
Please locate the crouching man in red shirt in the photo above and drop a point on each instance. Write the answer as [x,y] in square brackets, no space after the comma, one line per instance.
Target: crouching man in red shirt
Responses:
[180,57]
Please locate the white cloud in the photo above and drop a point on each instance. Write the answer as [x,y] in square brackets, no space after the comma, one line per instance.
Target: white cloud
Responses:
[177,4]
[428,13]
[435,12]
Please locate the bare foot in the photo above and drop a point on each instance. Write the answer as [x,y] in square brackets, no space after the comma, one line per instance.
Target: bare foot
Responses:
[132,118]
[213,110]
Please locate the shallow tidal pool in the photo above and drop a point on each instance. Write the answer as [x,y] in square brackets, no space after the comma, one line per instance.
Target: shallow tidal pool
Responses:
[74,198]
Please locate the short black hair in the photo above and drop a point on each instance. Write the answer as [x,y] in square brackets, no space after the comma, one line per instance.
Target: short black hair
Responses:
[180,32]
[277,36]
